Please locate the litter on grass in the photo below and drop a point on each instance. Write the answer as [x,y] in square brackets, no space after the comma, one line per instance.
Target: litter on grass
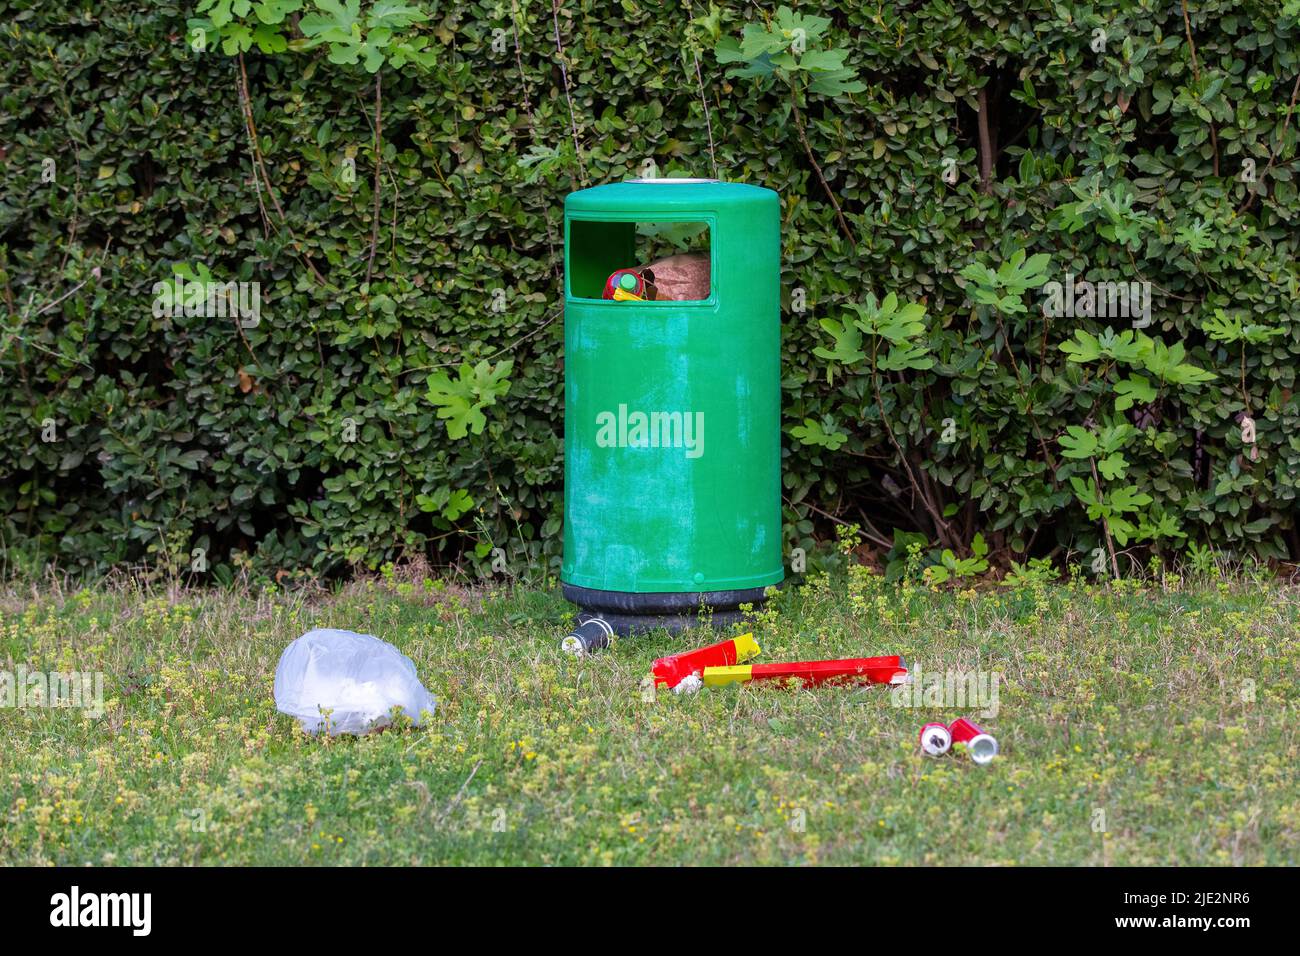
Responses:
[853,670]
[343,682]
[592,634]
[682,672]
[723,663]
[982,747]
[937,739]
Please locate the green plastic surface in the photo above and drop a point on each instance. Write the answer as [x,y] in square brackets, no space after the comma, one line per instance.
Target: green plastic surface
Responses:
[692,501]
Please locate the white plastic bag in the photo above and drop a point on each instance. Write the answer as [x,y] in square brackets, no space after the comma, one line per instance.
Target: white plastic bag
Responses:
[357,677]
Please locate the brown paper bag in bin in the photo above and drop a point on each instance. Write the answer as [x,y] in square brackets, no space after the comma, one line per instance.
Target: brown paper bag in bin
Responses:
[681,278]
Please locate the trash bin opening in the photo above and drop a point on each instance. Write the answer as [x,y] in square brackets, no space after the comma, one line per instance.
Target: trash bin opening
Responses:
[640,261]
[671,180]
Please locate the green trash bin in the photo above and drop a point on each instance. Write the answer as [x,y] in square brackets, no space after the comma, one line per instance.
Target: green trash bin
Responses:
[672,444]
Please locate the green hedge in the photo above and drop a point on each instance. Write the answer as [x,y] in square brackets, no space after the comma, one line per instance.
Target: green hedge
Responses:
[1119,164]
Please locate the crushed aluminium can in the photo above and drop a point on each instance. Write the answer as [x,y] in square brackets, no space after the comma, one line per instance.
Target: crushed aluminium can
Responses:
[982,747]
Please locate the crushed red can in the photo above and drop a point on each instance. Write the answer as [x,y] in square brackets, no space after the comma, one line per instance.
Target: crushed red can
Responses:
[982,747]
[935,739]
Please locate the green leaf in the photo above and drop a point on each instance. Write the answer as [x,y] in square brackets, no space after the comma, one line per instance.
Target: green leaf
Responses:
[1084,349]
[1166,363]
[1135,388]
[811,432]
[1112,467]
[903,357]
[461,401]
[334,21]
[848,342]
[1127,498]
[1078,443]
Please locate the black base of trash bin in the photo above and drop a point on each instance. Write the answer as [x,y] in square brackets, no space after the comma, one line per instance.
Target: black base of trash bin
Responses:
[636,613]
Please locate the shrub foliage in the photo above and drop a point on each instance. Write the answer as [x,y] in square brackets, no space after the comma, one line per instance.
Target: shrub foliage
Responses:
[970,193]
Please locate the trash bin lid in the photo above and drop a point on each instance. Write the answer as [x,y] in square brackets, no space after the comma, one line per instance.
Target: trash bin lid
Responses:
[641,199]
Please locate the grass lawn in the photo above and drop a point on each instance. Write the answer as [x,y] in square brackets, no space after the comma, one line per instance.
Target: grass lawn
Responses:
[1139,724]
